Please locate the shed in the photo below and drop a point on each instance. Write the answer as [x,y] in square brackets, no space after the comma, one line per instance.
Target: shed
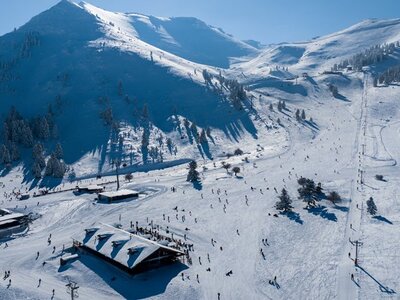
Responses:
[90,189]
[24,196]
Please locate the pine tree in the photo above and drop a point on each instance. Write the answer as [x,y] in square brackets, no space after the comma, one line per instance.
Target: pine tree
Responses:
[27,136]
[280,106]
[50,166]
[5,157]
[59,168]
[208,132]
[193,175]
[37,170]
[44,129]
[203,137]
[284,202]
[193,128]
[58,152]
[169,144]
[271,107]
[145,112]
[308,191]
[37,154]
[120,88]
[334,197]
[297,114]
[303,114]
[107,116]
[236,170]
[371,207]
[226,166]
[145,139]
[14,152]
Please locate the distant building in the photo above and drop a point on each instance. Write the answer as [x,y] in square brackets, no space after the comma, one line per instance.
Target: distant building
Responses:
[118,195]
[11,222]
[129,252]
[89,189]
[23,197]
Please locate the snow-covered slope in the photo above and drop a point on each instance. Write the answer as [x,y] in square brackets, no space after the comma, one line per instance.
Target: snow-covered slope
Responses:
[320,54]
[85,60]
[188,38]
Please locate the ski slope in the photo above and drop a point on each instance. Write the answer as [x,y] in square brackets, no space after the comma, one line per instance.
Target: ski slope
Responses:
[231,220]
[307,251]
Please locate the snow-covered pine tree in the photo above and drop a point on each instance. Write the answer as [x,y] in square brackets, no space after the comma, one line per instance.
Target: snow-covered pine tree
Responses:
[280,105]
[5,157]
[371,207]
[271,107]
[50,166]
[36,170]
[44,129]
[297,114]
[284,202]
[58,151]
[37,154]
[308,191]
[59,168]
[203,137]
[14,152]
[193,175]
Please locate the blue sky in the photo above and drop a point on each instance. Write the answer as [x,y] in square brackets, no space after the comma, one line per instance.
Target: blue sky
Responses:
[269,21]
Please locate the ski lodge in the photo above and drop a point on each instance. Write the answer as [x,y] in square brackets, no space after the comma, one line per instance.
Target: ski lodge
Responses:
[118,195]
[129,252]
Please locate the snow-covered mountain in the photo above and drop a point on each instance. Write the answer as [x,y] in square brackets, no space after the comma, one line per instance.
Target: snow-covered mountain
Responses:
[116,81]
[84,60]
[320,54]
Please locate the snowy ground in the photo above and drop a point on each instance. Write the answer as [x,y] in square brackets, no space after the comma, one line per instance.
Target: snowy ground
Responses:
[307,250]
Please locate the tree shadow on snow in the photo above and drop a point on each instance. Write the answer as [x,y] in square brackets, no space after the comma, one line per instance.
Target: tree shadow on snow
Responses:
[197,185]
[323,212]
[293,216]
[341,97]
[341,208]
[383,219]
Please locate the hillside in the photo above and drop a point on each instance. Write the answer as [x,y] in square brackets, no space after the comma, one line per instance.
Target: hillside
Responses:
[83,60]
[320,54]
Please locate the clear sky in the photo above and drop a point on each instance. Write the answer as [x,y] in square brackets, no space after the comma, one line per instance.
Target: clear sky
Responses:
[269,21]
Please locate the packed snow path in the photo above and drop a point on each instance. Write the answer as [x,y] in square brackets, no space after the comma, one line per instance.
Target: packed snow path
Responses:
[348,280]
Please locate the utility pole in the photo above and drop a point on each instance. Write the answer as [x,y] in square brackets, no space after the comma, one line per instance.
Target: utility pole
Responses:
[117,164]
[72,289]
[357,244]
